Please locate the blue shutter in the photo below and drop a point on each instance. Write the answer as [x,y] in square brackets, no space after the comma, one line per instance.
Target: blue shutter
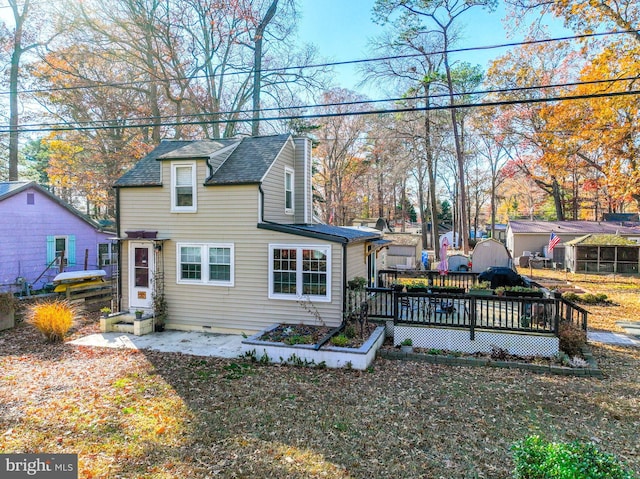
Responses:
[71,248]
[51,248]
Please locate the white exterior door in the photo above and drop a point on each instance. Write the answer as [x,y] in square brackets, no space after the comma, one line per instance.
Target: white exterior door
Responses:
[140,275]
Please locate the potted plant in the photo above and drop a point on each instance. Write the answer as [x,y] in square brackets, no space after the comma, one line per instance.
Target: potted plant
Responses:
[447,289]
[139,313]
[483,288]
[357,284]
[406,346]
[8,305]
[499,291]
[105,312]
[523,291]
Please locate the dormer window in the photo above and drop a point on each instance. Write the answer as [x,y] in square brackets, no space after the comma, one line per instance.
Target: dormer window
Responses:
[288,191]
[183,187]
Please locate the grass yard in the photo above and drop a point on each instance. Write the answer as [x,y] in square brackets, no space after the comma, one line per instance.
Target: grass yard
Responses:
[158,415]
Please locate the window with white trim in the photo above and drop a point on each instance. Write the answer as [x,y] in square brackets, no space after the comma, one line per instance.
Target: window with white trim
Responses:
[299,272]
[107,254]
[183,187]
[288,191]
[211,264]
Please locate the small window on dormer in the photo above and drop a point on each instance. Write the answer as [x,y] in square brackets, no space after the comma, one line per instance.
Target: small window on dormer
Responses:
[288,190]
[183,187]
[31,199]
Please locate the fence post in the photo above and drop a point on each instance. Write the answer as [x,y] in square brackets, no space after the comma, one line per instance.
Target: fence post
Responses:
[472,318]
[556,318]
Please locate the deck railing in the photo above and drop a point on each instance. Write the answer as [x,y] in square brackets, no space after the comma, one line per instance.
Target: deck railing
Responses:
[524,314]
[459,279]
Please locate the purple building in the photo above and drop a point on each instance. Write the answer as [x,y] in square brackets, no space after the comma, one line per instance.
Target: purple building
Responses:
[39,231]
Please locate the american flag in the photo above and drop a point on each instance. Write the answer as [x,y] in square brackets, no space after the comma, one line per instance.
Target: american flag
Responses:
[553,241]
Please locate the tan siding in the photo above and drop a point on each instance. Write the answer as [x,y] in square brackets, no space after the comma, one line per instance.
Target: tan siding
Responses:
[225,215]
[303,181]
[356,261]
[273,187]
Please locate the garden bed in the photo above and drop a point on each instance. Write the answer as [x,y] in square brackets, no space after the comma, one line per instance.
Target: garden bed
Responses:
[309,345]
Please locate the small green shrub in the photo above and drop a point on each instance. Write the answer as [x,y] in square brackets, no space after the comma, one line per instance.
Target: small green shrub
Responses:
[569,296]
[572,339]
[593,298]
[588,298]
[536,458]
[298,339]
[340,340]
[406,342]
[350,331]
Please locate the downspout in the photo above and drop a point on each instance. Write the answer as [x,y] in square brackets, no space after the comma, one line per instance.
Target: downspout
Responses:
[344,258]
[120,247]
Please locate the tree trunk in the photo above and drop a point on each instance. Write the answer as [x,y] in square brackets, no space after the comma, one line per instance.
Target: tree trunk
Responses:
[257,66]
[462,195]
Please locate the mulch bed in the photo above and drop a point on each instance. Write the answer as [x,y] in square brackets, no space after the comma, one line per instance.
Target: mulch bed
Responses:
[312,334]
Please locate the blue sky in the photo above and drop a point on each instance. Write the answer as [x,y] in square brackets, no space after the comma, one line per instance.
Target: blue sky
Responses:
[341,28]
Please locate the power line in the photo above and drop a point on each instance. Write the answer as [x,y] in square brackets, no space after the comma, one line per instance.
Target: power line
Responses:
[342,114]
[97,84]
[338,104]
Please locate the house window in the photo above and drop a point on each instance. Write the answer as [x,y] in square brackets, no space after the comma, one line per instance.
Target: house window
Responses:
[31,199]
[206,264]
[288,191]
[59,246]
[183,187]
[107,254]
[300,271]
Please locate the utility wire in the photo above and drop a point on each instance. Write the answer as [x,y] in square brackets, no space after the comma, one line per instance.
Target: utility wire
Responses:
[342,114]
[339,104]
[97,84]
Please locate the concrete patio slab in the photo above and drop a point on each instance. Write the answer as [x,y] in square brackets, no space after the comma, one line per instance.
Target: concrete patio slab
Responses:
[198,344]
[613,338]
[631,327]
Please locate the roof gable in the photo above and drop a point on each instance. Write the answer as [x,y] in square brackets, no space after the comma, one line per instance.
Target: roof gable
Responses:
[12,188]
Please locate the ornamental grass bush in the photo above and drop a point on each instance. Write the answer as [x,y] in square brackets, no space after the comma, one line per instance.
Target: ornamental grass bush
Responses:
[52,318]
[537,458]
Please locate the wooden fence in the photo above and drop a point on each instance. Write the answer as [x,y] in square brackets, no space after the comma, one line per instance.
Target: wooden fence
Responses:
[91,297]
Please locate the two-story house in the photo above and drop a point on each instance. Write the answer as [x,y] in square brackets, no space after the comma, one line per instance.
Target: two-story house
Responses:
[224,229]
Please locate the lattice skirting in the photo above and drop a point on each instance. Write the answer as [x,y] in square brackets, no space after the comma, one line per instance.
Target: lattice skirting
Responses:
[453,339]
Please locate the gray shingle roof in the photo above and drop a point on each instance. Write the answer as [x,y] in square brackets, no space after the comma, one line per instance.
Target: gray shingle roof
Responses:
[572,227]
[147,171]
[248,162]
[338,234]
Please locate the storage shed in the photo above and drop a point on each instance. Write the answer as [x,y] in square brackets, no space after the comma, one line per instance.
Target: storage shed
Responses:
[404,251]
[603,254]
[487,253]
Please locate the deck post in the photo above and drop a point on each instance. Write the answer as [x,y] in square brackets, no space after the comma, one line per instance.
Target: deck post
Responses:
[472,318]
